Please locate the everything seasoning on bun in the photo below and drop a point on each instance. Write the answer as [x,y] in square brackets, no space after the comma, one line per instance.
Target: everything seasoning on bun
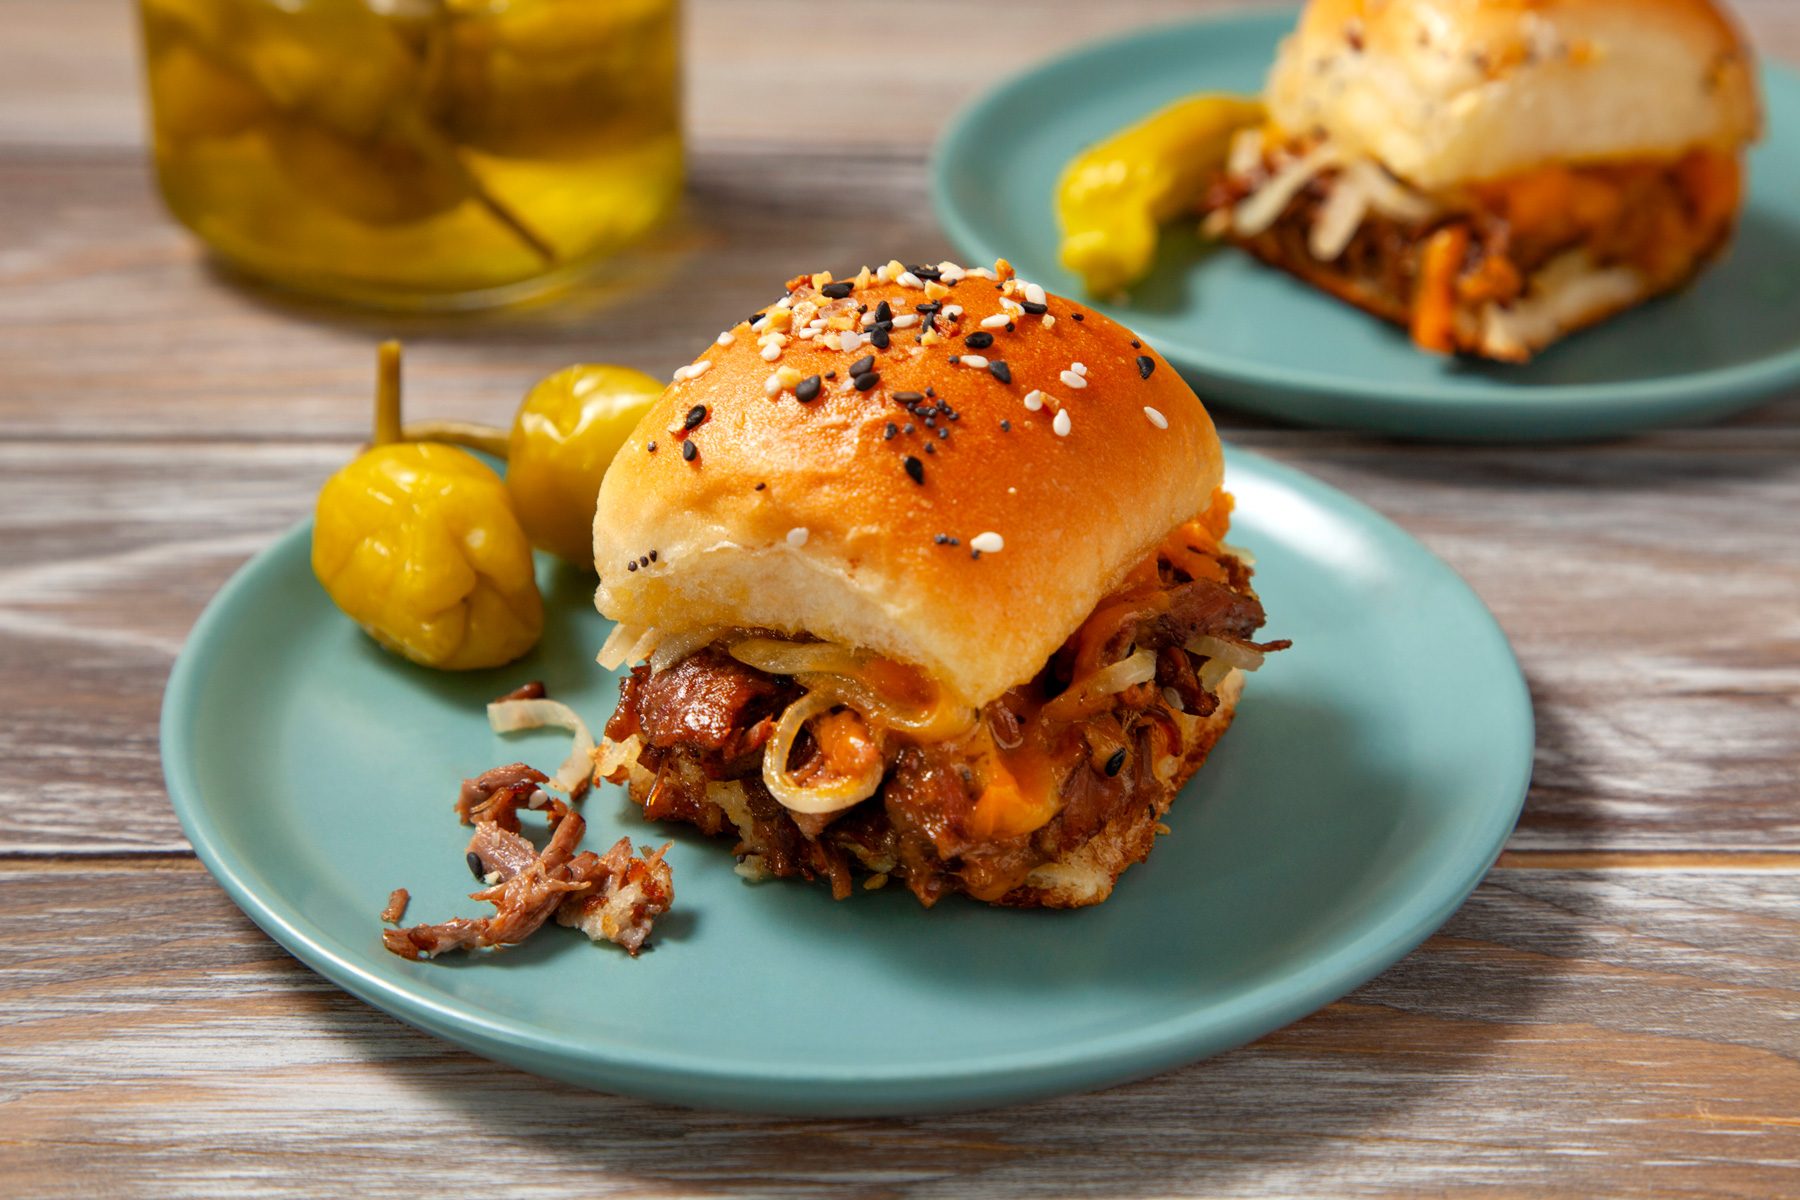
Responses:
[927,568]
[1496,174]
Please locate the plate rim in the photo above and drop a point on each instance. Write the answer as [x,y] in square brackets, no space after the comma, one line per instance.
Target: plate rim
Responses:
[1652,402]
[841,1089]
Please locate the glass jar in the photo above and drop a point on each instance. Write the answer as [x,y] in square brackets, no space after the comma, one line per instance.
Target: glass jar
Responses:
[415,153]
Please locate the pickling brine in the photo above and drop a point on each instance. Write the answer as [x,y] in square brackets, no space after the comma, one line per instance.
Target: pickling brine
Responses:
[415,153]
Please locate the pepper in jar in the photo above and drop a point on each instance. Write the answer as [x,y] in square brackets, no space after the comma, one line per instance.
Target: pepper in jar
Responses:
[417,543]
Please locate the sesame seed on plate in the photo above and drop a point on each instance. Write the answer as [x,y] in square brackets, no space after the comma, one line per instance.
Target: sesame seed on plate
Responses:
[797,536]
[1156,418]
[689,451]
[999,370]
[695,415]
[1034,294]
[988,543]
[1079,369]
[771,352]
[997,321]
[1073,380]
[906,321]
[725,339]
[972,360]
[1034,399]
[915,468]
[807,390]
[1061,424]
[908,280]
[1145,365]
[863,365]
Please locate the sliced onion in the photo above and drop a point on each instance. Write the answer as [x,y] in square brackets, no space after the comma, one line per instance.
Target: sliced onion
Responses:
[816,800]
[625,644]
[837,671]
[1107,681]
[1339,218]
[1261,209]
[1222,658]
[1388,195]
[511,716]
[1246,152]
[677,646]
[616,755]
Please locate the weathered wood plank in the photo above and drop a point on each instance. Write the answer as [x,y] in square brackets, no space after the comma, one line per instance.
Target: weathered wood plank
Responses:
[74,77]
[1648,589]
[1623,1034]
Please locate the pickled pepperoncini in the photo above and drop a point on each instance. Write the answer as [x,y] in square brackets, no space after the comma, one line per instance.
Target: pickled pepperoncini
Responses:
[1113,196]
[415,153]
[417,543]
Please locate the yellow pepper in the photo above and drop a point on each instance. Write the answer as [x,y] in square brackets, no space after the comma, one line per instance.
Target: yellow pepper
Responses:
[1113,196]
[563,439]
[417,543]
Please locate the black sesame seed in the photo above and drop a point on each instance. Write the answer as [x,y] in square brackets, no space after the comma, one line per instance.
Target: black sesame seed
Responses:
[695,415]
[932,392]
[931,447]
[867,380]
[651,448]
[644,561]
[632,565]
[474,861]
[956,541]
[980,340]
[943,431]
[1116,763]
[1146,364]
[653,556]
[807,390]
[831,374]
[1136,345]
[974,554]
[863,365]
[878,337]
[908,397]
[689,451]
[1079,316]
[759,487]
[926,272]
[941,538]
[883,312]
[1011,328]
[837,291]
[928,308]
[755,317]
[956,358]
[909,428]
[1035,309]
[891,430]
[1006,427]
[930,422]
[916,469]
[999,370]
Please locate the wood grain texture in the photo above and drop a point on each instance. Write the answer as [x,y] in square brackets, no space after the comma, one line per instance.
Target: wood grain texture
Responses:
[1626,1033]
[1615,1012]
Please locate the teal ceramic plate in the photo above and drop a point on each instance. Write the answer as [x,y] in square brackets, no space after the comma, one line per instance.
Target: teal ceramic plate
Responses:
[1369,781]
[1252,337]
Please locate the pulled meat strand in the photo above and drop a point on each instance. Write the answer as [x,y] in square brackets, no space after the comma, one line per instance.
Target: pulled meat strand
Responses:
[396,906]
[496,795]
[525,691]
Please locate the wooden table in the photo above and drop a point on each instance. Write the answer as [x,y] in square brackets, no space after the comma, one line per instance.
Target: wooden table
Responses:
[1616,1010]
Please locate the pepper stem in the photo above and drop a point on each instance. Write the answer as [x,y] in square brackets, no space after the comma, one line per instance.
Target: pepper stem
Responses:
[472,435]
[387,393]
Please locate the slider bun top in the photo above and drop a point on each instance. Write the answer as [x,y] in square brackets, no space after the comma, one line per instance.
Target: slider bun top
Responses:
[1446,92]
[802,517]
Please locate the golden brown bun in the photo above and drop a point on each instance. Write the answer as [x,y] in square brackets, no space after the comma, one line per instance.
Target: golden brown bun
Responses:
[1075,511]
[1445,92]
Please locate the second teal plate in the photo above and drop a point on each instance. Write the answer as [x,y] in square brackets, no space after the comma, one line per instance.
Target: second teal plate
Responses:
[1251,337]
[1371,777]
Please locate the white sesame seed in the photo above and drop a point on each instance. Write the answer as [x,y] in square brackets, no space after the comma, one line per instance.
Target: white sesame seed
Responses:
[1034,399]
[1061,424]
[997,321]
[725,339]
[849,339]
[692,370]
[771,352]
[974,360]
[816,326]
[868,320]
[1034,293]
[1172,698]
[949,268]
[797,536]
[952,311]
[1047,321]
[758,325]
[772,385]
[1079,368]
[988,543]
[785,302]
[1156,418]
[979,273]
[537,799]
[1011,491]
[1073,380]
[907,321]
[1011,306]
[909,280]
